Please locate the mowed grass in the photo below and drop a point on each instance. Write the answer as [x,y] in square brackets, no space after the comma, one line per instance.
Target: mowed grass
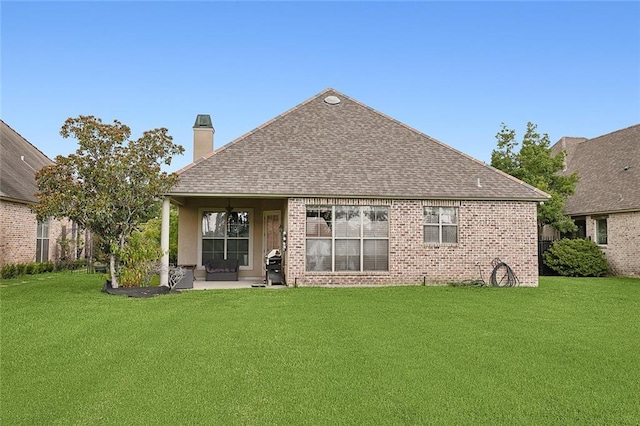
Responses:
[567,352]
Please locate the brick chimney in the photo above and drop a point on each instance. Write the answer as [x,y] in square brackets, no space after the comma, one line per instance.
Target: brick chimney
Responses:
[202,136]
[569,145]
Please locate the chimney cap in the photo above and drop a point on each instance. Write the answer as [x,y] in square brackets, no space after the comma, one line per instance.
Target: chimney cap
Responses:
[203,120]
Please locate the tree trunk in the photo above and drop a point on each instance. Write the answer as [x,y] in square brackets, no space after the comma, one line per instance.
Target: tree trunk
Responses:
[112,268]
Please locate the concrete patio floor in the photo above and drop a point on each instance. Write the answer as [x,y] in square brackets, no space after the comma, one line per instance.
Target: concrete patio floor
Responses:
[243,283]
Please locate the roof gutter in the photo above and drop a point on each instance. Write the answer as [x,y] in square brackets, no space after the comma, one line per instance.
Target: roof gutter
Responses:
[376,197]
[605,212]
[17,200]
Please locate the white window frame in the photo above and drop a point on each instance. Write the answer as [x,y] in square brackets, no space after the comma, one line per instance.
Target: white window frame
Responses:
[361,238]
[201,211]
[440,225]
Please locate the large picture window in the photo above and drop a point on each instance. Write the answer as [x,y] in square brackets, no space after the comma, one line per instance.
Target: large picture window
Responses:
[226,236]
[42,241]
[347,238]
[440,225]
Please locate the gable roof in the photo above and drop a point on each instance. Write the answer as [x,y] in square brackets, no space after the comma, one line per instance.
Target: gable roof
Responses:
[19,161]
[345,149]
[609,170]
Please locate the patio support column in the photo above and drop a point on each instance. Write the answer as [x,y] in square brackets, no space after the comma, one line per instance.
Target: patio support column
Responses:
[164,243]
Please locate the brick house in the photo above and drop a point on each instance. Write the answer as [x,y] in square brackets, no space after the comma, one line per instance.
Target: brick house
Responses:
[351,197]
[606,203]
[22,238]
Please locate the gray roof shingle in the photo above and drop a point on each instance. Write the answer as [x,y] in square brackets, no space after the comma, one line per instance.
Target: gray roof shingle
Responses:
[609,170]
[345,150]
[17,177]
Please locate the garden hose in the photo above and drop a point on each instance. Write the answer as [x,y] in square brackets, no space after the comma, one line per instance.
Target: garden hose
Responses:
[503,275]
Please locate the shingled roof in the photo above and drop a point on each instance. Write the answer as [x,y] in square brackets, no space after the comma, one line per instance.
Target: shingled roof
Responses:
[609,170]
[19,161]
[345,149]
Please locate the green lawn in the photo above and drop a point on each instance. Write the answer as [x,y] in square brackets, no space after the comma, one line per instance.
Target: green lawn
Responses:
[567,352]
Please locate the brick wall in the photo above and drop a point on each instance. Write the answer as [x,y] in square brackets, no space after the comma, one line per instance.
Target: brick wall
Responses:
[18,230]
[623,242]
[486,230]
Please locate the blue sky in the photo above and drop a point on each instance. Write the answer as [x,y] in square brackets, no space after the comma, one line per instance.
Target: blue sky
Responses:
[454,71]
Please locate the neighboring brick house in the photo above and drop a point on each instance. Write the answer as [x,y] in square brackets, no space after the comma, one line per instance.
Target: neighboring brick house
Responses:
[351,197]
[22,238]
[606,203]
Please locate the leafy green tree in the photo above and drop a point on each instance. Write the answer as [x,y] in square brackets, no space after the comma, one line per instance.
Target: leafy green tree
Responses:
[153,227]
[111,184]
[533,162]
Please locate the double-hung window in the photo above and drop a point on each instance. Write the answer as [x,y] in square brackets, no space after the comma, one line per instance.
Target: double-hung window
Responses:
[226,236]
[440,225]
[347,238]
[42,241]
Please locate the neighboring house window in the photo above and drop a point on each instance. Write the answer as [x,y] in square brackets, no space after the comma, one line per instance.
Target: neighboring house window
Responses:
[581,232]
[347,238]
[601,231]
[226,236]
[440,224]
[42,241]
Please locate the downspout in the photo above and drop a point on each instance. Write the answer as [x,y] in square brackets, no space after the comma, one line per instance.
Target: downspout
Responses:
[164,243]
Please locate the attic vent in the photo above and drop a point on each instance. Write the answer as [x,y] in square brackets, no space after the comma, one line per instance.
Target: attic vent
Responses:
[332,100]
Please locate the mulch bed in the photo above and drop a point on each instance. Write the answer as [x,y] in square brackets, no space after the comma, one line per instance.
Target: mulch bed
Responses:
[137,291]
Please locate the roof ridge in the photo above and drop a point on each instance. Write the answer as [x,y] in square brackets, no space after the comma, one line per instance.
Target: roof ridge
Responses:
[615,131]
[573,137]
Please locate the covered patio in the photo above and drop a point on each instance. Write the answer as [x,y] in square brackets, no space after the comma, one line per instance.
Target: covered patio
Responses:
[225,227]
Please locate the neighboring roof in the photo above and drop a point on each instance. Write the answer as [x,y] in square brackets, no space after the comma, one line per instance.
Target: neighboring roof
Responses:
[345,149]
[609,170]
[19,161]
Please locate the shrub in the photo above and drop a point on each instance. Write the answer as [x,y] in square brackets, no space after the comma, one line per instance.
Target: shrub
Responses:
[14,270]
[576,258]
[62,265]
[31,268]
[47,267]
[21,269]
[8,271]
[79,264]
